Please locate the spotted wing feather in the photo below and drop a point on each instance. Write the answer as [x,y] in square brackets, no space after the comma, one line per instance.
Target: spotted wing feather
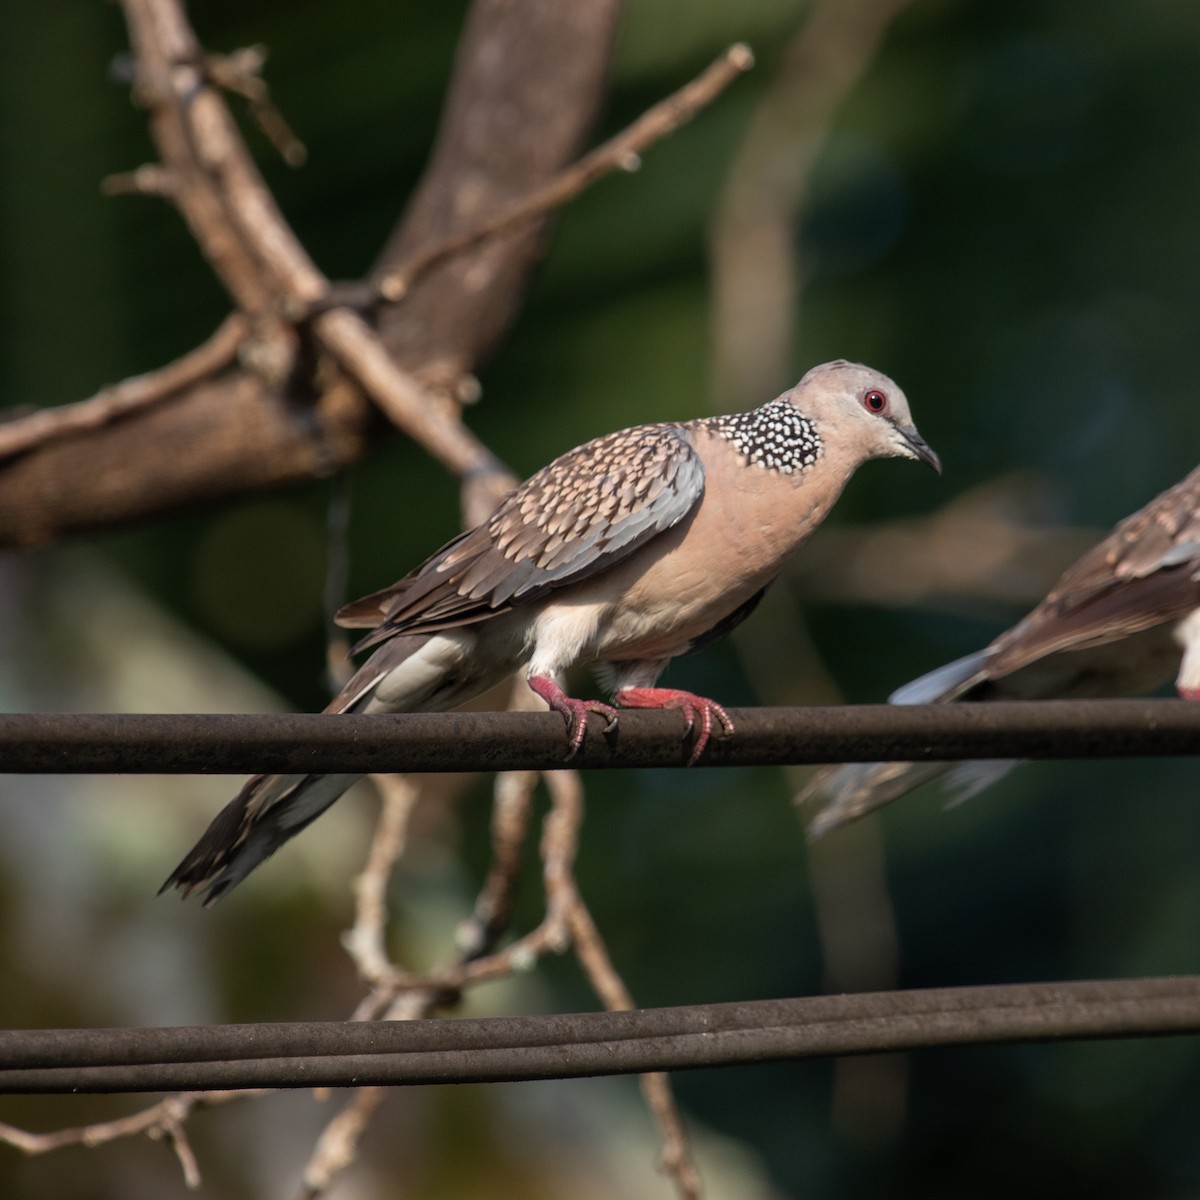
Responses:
[581,514]
[1145,573]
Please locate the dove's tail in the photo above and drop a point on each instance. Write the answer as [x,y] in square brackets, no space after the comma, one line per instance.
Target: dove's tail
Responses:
[406,674]
[268,811]
[852,790]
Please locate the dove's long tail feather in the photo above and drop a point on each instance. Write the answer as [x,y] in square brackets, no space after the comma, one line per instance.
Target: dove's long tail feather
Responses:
[855,789]
[404,675]
[852,790]
[267,812]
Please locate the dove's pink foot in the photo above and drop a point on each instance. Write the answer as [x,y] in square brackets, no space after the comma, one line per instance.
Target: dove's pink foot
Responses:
[575,712]
[1189,693]
[694,708]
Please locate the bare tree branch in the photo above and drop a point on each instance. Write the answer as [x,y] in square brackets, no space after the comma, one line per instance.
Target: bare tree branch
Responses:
[164,1121]
[235,221]
[110,404]
[218,190]
[530,74]
[618,153]
[241,72]
[362,355]
[337,1147]
[210,176]
[393,996]
[512,809]
[290,421]
[366,941]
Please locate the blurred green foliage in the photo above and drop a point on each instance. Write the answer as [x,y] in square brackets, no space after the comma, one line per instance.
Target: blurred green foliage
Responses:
[1004,219]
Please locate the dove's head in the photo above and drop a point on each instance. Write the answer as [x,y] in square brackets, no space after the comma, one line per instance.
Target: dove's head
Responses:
[864,409]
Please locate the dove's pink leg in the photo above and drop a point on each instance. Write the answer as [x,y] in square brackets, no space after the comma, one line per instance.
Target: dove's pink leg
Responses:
[694,708]
[576,712]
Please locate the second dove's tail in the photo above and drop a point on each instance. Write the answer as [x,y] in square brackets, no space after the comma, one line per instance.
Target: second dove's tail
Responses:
[855,789]
[852,790]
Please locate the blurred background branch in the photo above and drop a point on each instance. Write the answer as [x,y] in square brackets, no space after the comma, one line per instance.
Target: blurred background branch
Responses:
[243,430]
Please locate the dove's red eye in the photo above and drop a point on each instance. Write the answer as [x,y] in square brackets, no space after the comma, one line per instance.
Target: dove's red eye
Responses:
[875,402]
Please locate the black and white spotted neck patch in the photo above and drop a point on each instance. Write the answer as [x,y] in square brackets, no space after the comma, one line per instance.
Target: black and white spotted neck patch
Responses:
[776,436]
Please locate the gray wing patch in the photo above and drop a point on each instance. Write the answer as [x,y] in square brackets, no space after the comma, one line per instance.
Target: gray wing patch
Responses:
[584,512]
[592,506]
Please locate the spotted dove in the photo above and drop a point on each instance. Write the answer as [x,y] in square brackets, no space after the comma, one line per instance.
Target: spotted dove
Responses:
[625,552]
[1120,621]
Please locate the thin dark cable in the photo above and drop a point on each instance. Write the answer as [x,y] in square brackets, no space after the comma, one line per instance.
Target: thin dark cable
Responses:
[490,741]
[568,1046]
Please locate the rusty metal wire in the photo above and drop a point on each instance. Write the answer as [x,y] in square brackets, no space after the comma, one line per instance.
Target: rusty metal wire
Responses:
[494,741]
[338,1054]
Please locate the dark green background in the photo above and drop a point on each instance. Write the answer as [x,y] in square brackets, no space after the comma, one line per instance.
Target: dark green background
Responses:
[1005,220]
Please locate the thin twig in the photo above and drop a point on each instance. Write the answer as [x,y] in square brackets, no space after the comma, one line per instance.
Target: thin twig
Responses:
[200,147]
[150,179]
[618,153]
[559,844]
[163,1121]
[512,807]
[478,960]
[675,1159]
[366,941]
[241,73]
[173,1131]
[358,351]
[110,404]
[337,1147]
[512,810]
[397,996]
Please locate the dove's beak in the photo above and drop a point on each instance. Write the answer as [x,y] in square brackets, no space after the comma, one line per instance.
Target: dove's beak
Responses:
[919,446]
